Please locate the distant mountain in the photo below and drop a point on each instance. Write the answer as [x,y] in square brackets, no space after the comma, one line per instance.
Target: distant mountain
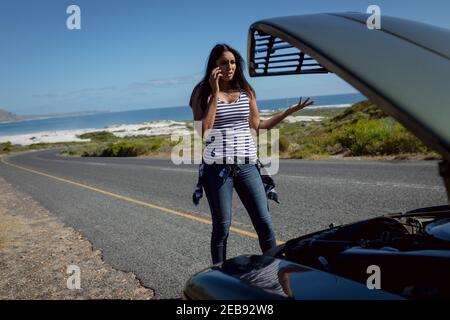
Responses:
[6,116]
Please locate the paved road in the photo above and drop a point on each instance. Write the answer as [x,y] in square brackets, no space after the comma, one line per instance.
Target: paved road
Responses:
[138,211]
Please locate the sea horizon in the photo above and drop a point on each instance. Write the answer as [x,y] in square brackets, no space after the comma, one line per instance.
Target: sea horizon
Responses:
[176,113]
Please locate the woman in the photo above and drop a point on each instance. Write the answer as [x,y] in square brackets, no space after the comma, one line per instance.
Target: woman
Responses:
[225,103]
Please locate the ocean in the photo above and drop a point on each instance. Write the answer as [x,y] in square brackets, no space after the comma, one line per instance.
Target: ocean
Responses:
[101,120]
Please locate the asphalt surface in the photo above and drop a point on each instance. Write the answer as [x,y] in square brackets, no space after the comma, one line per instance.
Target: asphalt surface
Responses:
[139,211]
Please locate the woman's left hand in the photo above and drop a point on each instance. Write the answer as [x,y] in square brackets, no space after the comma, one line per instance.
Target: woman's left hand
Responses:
[300,105]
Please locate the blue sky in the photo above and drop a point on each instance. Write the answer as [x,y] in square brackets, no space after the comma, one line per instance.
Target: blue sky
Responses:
[143,54]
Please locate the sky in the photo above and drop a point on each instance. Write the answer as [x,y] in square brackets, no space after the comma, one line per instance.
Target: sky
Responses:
[139,54]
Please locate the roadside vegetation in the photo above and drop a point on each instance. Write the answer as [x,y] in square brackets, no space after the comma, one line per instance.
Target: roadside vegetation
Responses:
[8,147]
[362,130]
[100,146]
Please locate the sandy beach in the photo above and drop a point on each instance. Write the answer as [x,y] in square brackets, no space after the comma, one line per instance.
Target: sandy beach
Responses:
[144,129]
[153,128]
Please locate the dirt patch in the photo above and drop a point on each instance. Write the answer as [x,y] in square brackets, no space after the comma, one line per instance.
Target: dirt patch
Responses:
[36,250]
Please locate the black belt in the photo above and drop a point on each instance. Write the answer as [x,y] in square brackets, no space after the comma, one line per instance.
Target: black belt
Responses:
[232,161]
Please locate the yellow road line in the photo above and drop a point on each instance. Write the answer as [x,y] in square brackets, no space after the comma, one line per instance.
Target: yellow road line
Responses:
[142,203]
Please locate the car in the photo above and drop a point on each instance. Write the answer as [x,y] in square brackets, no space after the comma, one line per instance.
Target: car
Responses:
[404,68]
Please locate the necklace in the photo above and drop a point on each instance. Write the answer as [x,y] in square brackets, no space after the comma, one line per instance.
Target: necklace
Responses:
[229,94]
[232,96]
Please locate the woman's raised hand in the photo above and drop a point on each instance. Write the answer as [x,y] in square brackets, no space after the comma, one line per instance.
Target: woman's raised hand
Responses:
[214,79]
[300,105]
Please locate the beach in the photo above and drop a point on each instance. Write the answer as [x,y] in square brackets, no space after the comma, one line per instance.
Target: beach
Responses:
[163,127]
[151,128]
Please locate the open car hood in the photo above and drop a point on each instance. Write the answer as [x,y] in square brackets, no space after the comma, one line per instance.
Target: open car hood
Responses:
[404,68]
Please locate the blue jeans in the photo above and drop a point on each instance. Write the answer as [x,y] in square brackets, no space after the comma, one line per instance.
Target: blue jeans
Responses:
[247,181]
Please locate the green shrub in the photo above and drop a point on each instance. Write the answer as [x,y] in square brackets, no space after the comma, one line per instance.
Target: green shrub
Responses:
[283,144]
[376,137]
[307,151]
[6,146]
[98,136]
[124,148]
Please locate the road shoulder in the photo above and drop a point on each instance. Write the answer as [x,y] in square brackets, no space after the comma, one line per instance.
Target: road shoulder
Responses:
[36,250]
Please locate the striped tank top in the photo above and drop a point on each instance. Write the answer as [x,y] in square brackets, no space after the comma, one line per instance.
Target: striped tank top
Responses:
[230,139]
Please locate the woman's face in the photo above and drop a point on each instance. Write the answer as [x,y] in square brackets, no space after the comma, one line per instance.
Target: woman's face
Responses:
[227,64]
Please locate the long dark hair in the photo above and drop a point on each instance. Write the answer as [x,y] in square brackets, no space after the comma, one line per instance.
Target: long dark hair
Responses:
[238,81]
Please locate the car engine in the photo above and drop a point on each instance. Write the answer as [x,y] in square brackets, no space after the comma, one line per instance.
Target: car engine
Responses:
[412,251]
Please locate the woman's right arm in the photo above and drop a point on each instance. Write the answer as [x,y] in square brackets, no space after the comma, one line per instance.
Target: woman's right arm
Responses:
[206,118]
[209,115]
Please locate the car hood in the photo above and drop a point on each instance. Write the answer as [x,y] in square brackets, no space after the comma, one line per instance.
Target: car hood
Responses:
[268,278]
[404,68]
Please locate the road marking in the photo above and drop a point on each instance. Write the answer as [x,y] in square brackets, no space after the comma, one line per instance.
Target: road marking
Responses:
[135,201]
